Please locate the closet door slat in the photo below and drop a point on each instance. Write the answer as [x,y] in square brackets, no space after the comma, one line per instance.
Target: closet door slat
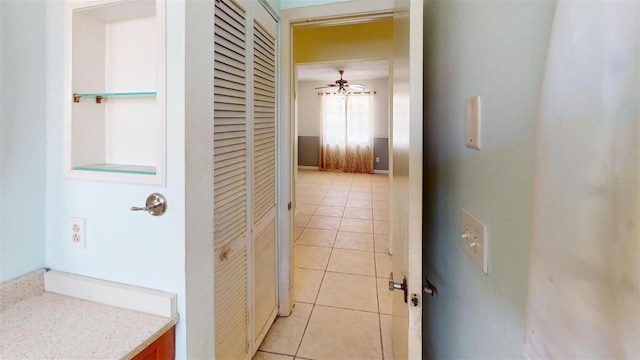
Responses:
[230,240]
[264,135]
[265,270]
[229,103]
[231,308]
[264,180]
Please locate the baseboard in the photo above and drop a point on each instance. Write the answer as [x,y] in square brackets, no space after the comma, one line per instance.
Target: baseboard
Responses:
[111,293]
[303,167]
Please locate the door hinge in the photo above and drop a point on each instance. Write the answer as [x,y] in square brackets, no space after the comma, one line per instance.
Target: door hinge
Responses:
[289,206]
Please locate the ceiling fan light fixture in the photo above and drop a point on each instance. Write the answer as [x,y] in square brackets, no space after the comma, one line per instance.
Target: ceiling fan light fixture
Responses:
[341,85]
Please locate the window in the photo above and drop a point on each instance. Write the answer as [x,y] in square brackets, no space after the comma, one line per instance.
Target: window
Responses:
[347,132]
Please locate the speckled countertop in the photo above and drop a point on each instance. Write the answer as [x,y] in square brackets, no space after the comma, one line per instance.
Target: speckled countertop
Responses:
[44,325]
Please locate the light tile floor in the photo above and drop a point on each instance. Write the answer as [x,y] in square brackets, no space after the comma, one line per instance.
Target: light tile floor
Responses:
[341,267]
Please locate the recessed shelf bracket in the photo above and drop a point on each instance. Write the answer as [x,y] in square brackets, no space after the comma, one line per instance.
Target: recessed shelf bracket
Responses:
[100,96]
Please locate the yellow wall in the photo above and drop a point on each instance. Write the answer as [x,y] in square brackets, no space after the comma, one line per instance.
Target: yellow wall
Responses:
[371,40]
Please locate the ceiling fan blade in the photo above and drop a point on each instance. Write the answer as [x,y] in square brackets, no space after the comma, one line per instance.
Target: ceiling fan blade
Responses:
[342,85]
[326,86]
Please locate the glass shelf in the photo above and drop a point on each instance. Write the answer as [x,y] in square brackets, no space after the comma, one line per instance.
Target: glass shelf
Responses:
[100,96]
[119,168]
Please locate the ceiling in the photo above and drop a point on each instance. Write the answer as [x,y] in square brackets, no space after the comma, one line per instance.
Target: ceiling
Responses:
[353,70]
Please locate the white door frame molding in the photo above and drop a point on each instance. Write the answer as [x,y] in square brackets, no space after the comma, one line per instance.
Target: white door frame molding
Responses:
[331,14]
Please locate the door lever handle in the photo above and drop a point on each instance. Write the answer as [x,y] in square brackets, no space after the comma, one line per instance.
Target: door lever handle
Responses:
[430,289]
[156,205]
[395,286]
[398,286]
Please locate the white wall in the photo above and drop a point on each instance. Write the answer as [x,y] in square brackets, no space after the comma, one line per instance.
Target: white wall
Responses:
[199,268]
[22,137]
[495,49]
[309,116]
[289,4]
[274,4]
[123,246]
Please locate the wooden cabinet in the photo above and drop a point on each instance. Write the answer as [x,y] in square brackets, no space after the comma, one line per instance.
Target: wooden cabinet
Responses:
[115,90]
[161,349]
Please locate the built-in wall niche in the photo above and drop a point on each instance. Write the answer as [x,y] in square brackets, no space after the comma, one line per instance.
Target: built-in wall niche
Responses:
[115,91]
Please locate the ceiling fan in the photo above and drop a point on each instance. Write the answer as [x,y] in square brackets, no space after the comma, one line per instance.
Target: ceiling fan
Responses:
[342,86]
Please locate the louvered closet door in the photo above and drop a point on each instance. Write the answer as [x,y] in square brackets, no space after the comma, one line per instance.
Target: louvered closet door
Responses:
[230,184]
[264,173]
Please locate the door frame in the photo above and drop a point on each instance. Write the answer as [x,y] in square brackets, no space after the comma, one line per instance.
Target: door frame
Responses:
[330,14]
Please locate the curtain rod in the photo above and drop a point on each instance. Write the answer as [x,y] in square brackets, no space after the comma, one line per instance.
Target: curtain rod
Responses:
[350,93]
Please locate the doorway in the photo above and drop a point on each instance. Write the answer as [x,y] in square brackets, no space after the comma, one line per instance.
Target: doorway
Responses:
[320,297]
[340,48]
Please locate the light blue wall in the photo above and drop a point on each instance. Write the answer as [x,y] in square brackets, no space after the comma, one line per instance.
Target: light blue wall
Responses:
[289,4]
[495,49]
[123,246]
[22,137]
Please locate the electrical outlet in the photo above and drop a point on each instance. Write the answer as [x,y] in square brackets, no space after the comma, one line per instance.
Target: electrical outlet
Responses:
[77,234]
[377,159]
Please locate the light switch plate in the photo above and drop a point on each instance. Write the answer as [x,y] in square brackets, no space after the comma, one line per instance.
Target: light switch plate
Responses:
[474,240]
[473,121]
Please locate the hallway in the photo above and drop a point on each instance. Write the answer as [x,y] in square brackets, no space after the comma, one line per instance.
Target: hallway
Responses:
[343,306]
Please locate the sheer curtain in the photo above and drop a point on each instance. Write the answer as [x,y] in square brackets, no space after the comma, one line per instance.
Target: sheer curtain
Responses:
[584,267]
[347,133]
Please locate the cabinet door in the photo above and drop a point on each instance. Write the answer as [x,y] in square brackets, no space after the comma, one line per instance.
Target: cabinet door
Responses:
[163,348]
[230,184]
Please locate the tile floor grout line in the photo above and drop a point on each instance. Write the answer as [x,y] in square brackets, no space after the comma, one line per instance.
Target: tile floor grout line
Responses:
[305,330]
[364,251]
[319,246]
[348,309]
[381,341]
[326,181]
[314,303]
[337,272]
[272,352]
[345,273]
[375,263]
[348,273]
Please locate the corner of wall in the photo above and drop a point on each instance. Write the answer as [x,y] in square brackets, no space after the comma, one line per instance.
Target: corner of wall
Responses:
[22,137]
